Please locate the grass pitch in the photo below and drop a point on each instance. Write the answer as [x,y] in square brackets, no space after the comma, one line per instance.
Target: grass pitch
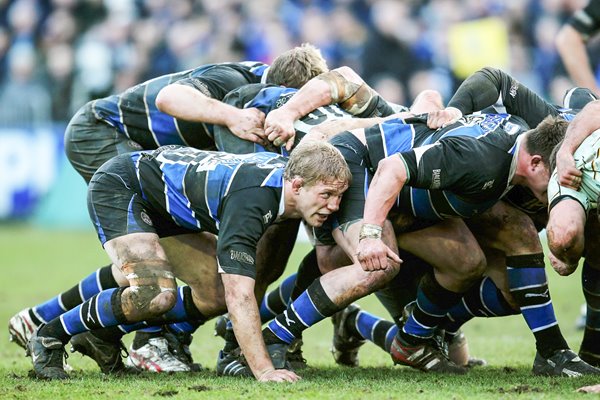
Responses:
[37,264]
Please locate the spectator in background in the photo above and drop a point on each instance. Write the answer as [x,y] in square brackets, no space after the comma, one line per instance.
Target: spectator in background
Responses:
[118,42]
[388,49]
[24,102]
[571,44]
[60,70]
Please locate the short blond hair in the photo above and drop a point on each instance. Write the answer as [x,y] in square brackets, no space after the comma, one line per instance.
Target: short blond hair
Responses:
[316,161]
[297,66]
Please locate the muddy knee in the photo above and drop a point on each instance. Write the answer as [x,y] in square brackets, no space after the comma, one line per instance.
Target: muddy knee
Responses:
[376,280]
[152,290]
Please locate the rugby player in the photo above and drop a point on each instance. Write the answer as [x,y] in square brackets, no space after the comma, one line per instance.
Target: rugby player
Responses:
[486,125]
[136,198]
[178,108]
[325,121]
[498,238]
[573,225]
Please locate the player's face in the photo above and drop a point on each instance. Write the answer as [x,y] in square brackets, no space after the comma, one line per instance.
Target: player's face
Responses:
[317,202]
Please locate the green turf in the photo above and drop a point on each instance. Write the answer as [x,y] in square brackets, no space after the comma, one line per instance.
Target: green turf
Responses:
[36,264]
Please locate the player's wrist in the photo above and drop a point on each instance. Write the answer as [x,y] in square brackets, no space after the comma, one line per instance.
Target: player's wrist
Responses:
[370,231]
[264,372]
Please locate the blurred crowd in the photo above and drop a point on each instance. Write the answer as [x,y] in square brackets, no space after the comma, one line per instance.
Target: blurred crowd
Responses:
[57,54]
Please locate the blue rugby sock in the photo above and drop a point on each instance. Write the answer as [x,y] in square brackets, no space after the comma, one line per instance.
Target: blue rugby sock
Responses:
[104,311]
[374,329]
[433,303]
[590,282]
[529,287]
[277,300]
[95,313]
[99,280]
[183,317]
[312,306]
[484,299]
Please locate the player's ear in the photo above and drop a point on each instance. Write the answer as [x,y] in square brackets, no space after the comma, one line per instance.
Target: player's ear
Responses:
[536,161]
[297,183]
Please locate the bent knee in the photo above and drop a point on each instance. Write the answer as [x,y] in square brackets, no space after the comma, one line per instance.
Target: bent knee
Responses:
[565,243]
[163,302]
[147,302]
[473,266]
[375,280]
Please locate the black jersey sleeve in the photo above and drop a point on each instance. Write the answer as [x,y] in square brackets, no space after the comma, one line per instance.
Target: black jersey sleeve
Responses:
[244,216]
[587,20]
[483,88]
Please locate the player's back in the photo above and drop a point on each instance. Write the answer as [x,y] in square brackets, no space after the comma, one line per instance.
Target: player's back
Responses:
[134,112]
[191,184]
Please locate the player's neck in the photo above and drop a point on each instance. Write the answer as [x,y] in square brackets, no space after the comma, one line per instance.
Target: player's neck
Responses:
[522,167]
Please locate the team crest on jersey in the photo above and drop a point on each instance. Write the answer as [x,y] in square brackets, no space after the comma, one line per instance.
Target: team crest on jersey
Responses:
[146,218]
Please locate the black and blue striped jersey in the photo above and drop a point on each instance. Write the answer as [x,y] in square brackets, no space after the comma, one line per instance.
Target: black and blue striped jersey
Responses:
[445,179]
[495,89]
[466,169]
[234,196]
[134,113]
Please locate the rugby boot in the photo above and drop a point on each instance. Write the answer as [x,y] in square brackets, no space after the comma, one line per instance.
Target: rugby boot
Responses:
[154,356]
[294,355]
[179,345]
[47,355]
[458,351]
[108,355]
[425,356]
[562,363]
[278,353]
[232,364]
[21,327]
[345,344]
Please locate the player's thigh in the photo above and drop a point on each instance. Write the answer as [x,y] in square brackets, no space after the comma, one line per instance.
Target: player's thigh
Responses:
[136,249]
[193,260]
[507,229]
[331,257]
[448,246]
[192,256]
